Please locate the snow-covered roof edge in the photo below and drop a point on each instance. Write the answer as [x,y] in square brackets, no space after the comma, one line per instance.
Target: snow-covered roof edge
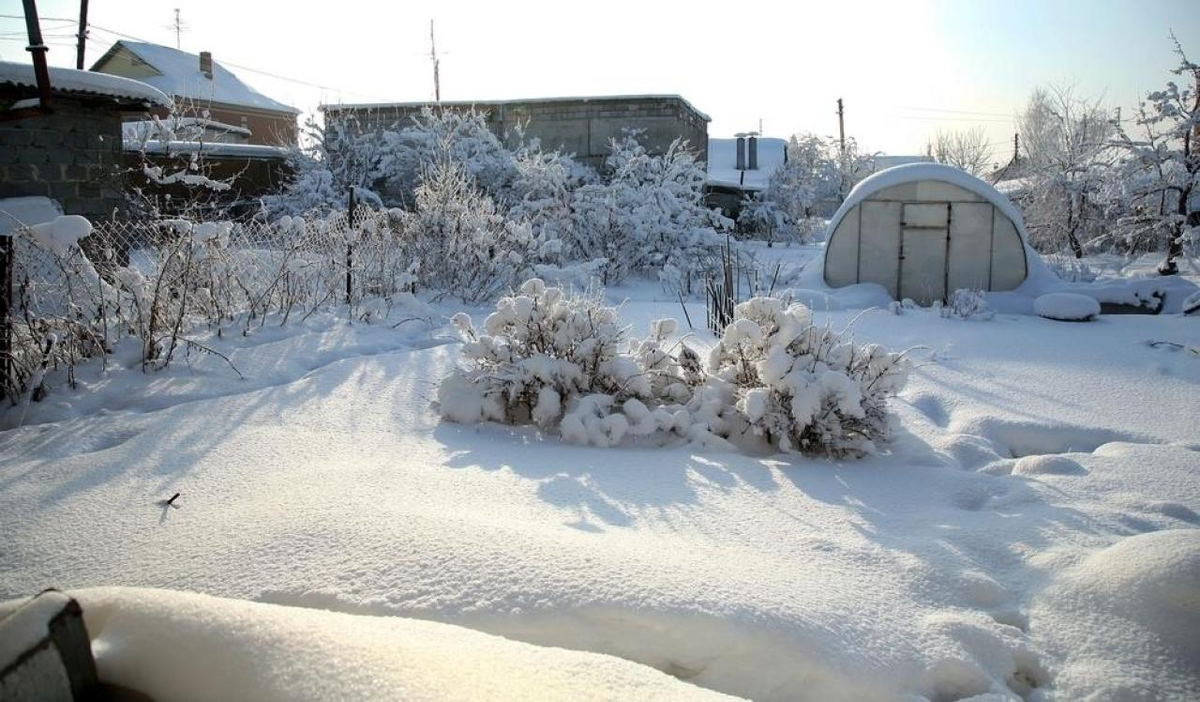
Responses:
[911,172]
[469,103]
[85,83]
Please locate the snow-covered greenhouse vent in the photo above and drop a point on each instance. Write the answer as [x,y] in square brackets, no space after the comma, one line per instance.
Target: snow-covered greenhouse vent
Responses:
[924,230]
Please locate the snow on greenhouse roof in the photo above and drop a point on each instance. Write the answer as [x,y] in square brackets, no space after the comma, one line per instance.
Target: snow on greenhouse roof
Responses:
[722,163]
[912,172]
[179,75]
[69,80]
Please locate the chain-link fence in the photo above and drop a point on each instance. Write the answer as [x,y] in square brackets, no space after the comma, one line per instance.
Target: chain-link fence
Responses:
[156,280]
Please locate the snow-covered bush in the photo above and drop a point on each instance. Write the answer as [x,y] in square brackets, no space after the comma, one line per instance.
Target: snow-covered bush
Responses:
[648,216]
[965,303]
[562,362]
[803,387]
[550,358]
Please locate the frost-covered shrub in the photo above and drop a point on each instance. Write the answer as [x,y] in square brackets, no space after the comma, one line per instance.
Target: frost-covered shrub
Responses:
[562,361]
[967,304]
[802,387]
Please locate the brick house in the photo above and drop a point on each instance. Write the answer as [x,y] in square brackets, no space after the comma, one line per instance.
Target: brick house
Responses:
[203,88]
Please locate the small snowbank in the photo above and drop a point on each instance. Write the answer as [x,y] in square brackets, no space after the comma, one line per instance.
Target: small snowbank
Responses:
[184,646]
[1066,307]
[61,234]
[1126,620]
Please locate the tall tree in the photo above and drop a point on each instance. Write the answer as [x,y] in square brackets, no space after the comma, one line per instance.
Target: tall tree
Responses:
[1067,142]
[1162,171]
[967,149]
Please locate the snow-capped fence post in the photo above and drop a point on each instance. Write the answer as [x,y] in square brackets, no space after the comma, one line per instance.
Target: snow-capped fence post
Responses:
[350,246]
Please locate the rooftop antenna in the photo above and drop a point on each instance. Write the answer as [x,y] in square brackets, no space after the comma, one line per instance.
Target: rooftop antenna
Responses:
[178,25]
[437,85]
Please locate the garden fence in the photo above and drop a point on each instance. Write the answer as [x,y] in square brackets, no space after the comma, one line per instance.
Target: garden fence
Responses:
[154,280]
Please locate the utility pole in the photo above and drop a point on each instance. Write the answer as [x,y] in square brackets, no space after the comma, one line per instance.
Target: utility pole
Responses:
[841,126]
[83,31]
[437,83]
[1016,146]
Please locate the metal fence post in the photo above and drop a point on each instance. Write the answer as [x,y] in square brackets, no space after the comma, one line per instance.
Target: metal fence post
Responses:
[349,246]
[7,253]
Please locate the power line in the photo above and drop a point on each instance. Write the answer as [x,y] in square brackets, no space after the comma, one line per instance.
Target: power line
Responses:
[958,112]
[955,119]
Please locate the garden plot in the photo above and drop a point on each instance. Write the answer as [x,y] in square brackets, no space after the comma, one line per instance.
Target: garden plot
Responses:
[1037,471]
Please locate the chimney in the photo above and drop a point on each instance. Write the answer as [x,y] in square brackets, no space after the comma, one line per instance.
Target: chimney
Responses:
[753,153]
[206,64]
[741,152]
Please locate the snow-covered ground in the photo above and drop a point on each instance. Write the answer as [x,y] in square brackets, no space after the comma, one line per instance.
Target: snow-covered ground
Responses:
[1031,531]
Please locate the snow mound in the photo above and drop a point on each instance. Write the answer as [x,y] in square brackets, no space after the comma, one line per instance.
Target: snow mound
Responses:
[186,646]
[1125,619]
[60,234]
[1047,465]
[1066,307]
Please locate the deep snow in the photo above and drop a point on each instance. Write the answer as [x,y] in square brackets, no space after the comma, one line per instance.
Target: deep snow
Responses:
[1030,531]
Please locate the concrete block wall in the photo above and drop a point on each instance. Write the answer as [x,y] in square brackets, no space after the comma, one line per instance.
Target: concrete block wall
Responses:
[582,126]
[72,155]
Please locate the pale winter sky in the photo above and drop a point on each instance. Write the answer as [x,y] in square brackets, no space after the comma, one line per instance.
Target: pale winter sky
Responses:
[904,69]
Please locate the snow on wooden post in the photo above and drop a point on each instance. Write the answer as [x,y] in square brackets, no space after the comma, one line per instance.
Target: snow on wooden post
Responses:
[349,246]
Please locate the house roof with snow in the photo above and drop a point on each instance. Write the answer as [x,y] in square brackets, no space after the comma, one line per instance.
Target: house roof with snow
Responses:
[177,73]
[122,92]
[723,170]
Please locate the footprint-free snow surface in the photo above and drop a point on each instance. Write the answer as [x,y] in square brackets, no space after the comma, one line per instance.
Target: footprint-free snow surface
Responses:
[1030,532]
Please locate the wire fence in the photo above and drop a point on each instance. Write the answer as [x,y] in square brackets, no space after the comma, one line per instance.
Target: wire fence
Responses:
[155,281]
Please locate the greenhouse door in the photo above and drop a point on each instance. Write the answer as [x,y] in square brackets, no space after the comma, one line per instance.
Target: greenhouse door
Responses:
[924,240]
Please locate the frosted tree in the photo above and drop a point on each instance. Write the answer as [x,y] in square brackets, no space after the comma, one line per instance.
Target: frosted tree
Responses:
[1067,140]
[966,149]
[461,136]
[463,242]
[1159,179]
[332,159]
[649,216]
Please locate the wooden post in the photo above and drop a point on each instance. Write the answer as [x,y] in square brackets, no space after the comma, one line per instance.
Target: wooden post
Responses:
[350,247]
[82,34]
[841,126]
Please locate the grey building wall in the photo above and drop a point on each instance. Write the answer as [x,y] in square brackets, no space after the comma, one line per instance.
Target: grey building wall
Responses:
[582,126]
[72,155]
